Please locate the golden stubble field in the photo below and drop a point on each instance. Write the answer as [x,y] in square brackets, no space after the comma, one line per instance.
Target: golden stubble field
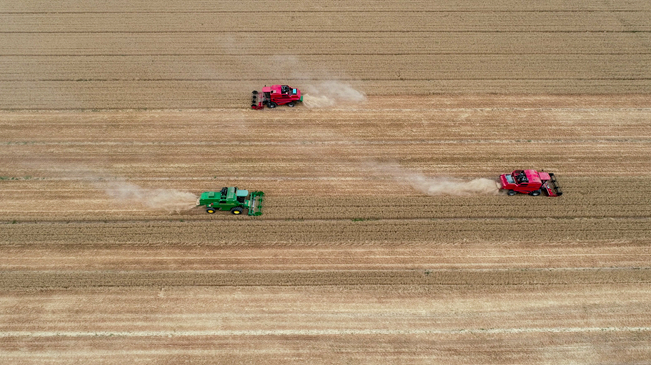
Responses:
[350,262]
[115,114]
[118,54]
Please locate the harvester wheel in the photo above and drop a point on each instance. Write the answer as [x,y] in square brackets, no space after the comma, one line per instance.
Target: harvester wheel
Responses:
[272,105]
[511,193]
[291,104]
[535,193]
[210,210]
[237,210]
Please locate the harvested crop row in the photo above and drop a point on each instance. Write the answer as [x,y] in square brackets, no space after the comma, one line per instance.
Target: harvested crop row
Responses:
[361,198]
[384,120]
[313,232]
[335,6]
[311,307]
[350,162]
[480,255]
[370,43]
[419,322]
[36,279]
[313,67]
[293,23]
[354,346]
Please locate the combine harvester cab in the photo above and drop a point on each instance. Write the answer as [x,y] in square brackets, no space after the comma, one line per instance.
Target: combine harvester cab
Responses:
[274,95]
[530,182]
[232,199]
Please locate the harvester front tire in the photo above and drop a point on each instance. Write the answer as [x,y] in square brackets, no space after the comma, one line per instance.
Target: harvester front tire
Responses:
[511,193]
[237,211]
[210,210]
[291,104]
[272,105]
[535,193]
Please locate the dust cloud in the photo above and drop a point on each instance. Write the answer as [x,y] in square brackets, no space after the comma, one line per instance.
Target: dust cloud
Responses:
[449,186]
[169,200]
[437,185]
[331,93]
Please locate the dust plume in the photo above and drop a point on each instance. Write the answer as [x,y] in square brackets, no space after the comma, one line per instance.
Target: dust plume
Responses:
[449,186]
[437,185]
[330,93]
[165,199]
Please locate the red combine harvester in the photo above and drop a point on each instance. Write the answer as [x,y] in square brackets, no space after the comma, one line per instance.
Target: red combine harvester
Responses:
[530,182]
[275,95]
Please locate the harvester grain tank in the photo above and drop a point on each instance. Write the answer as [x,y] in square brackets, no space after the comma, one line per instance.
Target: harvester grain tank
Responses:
[530,182]
[274,95]
[232,199]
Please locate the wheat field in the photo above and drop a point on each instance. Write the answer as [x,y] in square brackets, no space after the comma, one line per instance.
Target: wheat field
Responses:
[375,245]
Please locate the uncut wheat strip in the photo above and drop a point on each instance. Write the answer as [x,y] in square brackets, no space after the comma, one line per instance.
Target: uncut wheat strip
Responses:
[88,205]
[320,21]
[584,191]
[342,67]
[87,95]
[310,232]
[376,107]
[50,279]
[253,43]
[326,5]
[99,207]
[109,211]
[629,205]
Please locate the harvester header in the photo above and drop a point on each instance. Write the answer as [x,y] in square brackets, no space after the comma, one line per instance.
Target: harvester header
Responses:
[274,95]
[530,182]
[232,199]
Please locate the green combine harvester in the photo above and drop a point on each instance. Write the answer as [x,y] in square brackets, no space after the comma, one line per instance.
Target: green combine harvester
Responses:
[233,199]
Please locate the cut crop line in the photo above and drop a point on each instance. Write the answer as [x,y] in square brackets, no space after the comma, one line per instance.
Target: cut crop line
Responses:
[365,11]
[325,31]
[351,271]
[318,256]
[369,111]
[347,221]
[329,54]
[327,143]
[330,79]
[318,332]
